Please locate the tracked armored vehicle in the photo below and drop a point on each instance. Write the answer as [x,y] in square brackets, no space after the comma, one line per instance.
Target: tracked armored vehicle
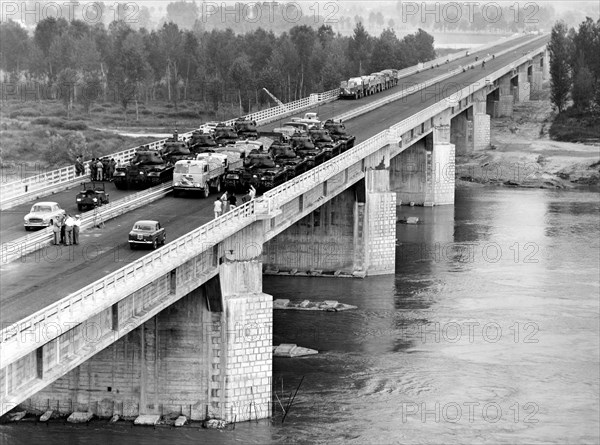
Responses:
[147,169]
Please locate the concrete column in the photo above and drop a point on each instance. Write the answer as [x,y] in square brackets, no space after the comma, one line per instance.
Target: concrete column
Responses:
[379,224]
[442,166]
[523,85]
[481,122]
[537,74]
[461,132]
[546,65]
[245,361]
[506,98]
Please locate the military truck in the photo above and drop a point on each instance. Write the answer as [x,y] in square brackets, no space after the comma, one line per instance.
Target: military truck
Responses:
[147,169]
[353,88]
[337,130]
[245,128]
[204,174]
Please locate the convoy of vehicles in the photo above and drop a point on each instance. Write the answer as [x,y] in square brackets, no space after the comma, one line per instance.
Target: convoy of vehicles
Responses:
[361,86]
[93,195]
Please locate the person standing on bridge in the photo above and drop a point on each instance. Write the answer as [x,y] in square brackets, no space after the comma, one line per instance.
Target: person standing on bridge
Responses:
[225,202]
[252,192]
[99,167]
[76,226]
[69,230]
[56,230]
[218,208]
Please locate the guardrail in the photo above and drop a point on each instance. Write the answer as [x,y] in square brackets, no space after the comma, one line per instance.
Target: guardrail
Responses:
[101,294]
[20,247]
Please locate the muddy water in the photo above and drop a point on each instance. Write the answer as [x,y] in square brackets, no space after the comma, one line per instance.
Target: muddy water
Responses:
[487,333]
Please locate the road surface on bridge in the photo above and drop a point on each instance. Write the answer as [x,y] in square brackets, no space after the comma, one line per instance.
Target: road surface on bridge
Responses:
[11,220]
[37,280]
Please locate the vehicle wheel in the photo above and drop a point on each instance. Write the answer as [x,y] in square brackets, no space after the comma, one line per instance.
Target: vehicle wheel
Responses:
[218,186]
[132,246]
[175,193]
[164,240]
[206,190]
[154,244]
[79,207]
[27,229]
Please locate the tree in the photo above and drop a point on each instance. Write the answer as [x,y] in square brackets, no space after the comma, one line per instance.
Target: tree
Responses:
[359,48]
[14,47]
[560,81]
[65,83]
[583,84]
[241,73]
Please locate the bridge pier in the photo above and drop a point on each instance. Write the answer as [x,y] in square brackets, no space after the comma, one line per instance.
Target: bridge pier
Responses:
[424,172]
[523,85]
[506,98]
[537,75]
[481,122]
[352,234]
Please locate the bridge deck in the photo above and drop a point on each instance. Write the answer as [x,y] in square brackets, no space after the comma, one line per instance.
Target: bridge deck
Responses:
[35,282]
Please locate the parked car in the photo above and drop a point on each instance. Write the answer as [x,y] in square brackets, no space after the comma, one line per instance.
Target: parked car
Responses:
[42,214]
[92,195]
[147,233]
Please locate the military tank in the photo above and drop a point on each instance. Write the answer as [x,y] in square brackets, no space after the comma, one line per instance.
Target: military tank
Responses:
[175,151]
[337,131]
[201,142]
[147,169]
[283,154]
[246,128]
[225,134]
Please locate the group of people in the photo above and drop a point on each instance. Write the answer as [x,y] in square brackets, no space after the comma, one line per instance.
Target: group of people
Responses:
[66,229]
[228,201]
[102,169]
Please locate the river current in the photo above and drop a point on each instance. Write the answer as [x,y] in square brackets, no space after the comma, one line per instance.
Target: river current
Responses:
[487,333]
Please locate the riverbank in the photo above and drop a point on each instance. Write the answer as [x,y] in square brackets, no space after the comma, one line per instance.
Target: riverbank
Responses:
[523,155]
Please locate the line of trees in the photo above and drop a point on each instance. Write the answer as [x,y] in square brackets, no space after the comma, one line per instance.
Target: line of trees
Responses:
[83,63]
[575,66]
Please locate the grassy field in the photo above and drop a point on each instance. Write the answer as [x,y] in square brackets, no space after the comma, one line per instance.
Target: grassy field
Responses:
[37,136]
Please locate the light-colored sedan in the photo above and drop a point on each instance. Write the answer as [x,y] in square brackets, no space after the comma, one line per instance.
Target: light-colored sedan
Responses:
[147,233]
[42,214]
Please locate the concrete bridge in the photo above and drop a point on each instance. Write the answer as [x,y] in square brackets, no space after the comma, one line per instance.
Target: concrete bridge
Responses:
[187,328]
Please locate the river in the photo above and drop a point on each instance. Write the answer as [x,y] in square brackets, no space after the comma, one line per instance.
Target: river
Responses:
[487,333]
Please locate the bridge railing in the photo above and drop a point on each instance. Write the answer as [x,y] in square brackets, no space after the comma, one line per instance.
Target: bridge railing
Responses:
[178,252]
